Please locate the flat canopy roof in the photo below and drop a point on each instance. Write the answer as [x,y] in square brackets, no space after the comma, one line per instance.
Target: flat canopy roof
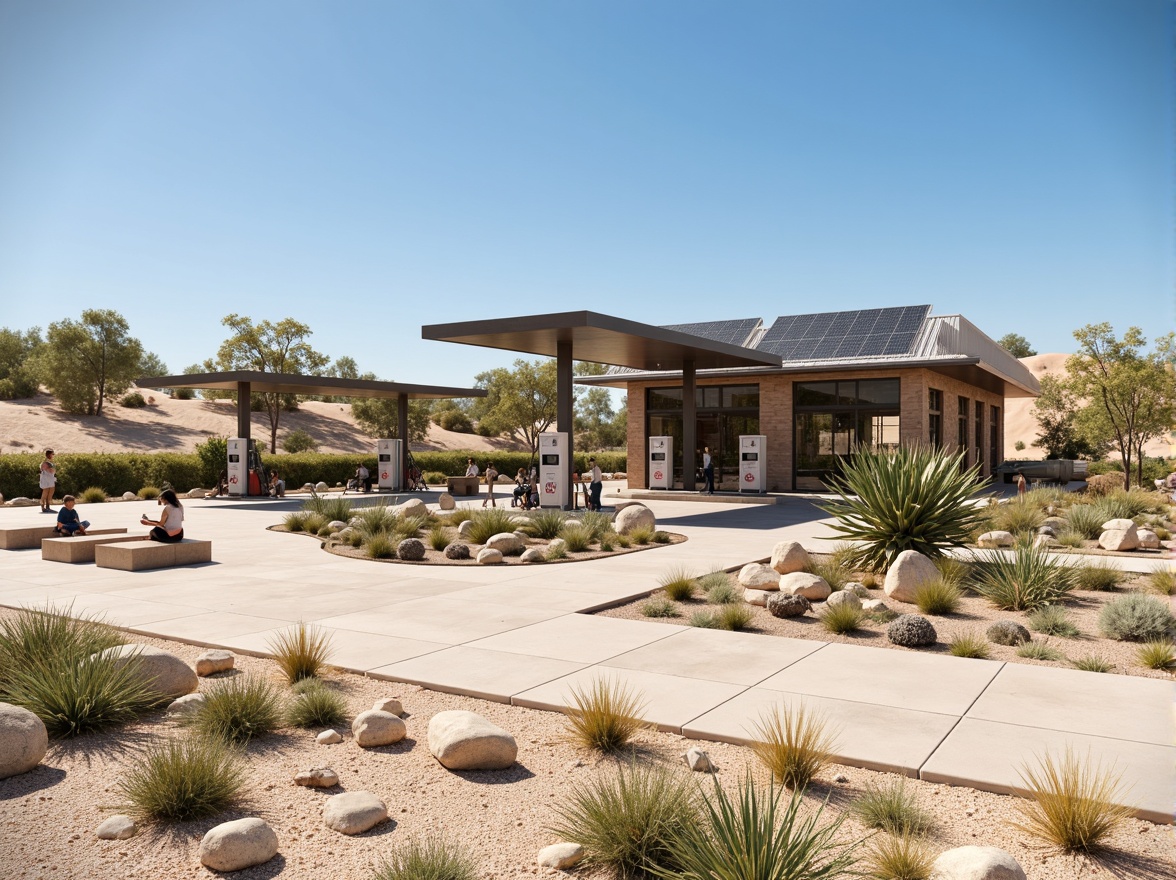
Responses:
[289,383]
[601,339]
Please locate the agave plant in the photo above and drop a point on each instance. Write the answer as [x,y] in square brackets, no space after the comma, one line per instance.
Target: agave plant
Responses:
[911,499]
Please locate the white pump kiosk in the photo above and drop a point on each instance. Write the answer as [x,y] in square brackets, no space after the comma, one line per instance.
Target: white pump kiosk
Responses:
[753,463]
[237,466]
[388,458]
[661,462]
[553,469]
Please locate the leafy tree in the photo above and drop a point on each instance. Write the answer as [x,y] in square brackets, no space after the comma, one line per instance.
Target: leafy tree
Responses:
[299,441]
[269,348]
[1059,434]
[378,417]
[152,365]
[1131,392]
[86,362]
[18,379]
[1016,345]
[519,402]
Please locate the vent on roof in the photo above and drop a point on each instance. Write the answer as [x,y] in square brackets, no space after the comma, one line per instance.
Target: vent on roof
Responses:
[835,335]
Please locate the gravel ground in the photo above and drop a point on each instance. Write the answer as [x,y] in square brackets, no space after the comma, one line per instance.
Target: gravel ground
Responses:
[974,615]
[48,816]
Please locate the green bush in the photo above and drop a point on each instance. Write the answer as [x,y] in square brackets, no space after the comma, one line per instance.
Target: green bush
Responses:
[911,499]
[1130,504]
[1026,582]
[430,858]
[433,478]
[968,644]
[937,596]
[598,524]
[1135,618]
[92,495]
[1016,516]
[721,592]
[841,619]
[490,521]
[238,710]
[640,535]
[316,705]
[1053,620]
[576,537]
[1086,520]
[456,420]
[134,400]
[1098,576]
[660,607]
[299,441]
[891,807]
[182,780]
[546,524]
[148,493]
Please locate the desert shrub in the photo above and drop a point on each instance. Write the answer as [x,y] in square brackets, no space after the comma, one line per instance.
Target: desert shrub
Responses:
[1024,583]
[1053,620]
[868,579]
[316,705]
[829,568]
[438,538]
[937,596]
[747,836]
[1086,520]
[598,524]
[92,495]
[1072,803]
[626,821]
[911,499]
[660,607]
[376,520]
[380,547]
[1092,663]
[238,710]
[905,857]
[1135,617]
[133,400]
[576,537]
[623,541]
[299,441]
[556,551]
[1098,576]
[794,744]
[606,544]
[1071,538]
[301,651]
[488,522]
[295,521]
[181,780]
[433,478]
[329,507]
[704,620]
[546,524]
[148,493]
[734,617]
[458,516]
[457,421]
[968,644]
[660,537]
[954,571]
[842,619]
[1016,516]
[324,532]
[892,807]
[679,584]
[1130,504]
[407,527]
[313,522]
[605,717]
[429,858]
[1040,651]
[641,535]
[721,592]
[1045,495]
[1162,581]
[882,615]
[1156,654]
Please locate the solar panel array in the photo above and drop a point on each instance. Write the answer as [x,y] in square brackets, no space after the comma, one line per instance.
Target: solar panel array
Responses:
[856,334]
[735,332]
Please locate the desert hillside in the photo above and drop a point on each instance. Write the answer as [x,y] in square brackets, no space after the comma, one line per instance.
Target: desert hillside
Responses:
[178,425]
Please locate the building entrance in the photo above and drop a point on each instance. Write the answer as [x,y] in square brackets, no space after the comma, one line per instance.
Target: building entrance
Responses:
[724,412]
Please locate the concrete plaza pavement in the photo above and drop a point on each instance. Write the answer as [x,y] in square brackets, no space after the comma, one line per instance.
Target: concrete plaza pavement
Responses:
[516,634]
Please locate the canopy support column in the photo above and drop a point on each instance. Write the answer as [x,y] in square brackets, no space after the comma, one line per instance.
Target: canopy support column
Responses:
[243,401]
[689,427]
[402,433]
[564,408]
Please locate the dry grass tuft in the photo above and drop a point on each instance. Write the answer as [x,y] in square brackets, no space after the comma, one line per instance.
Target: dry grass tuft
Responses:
[606,717]
[301,651]
[793,743]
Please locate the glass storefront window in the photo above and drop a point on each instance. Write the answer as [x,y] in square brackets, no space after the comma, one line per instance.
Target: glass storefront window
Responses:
[816,394]
[724,413]
[836,419]
[740,396]
[664,398]
[878,392]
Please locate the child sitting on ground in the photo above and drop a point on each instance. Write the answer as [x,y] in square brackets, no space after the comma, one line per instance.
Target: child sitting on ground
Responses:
[68,522]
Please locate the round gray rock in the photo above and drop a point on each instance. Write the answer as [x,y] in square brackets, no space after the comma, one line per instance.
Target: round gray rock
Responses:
[911,631]
[699,761]
[532,555]
[329,737]
[166,675]
[187,705]
[336,525]
[843,597]
[1007,632]
[214,661]
[506,543]
[787,605]
[375,728]
[317,777]
[758,597]
[634,516]
[23,740]
[242,843]
[129,496]
[560,856]
[857,589]
[910,570]
[800,583]
[489,556]
[354,812]
[555,545]
[457,551]
[758,576]
[412,507]
[976,863]
[446,502]
[411,549]
[117,828]
[321,487]
[466,741]
[789,556]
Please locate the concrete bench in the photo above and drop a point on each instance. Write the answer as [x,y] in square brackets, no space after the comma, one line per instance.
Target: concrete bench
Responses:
[81,548]
[30,537]
[142,555]
[462,485]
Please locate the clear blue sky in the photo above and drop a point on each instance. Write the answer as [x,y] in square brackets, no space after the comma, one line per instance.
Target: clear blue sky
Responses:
[372,167]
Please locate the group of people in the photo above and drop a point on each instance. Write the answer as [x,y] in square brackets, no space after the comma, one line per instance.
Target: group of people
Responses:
[526,485]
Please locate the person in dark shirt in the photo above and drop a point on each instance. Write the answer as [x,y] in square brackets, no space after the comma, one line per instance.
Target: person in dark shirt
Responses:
[68,522]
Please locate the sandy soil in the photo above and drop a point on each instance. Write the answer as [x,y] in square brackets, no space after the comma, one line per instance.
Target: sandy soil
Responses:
[48,816]
[178,425]
[974,615]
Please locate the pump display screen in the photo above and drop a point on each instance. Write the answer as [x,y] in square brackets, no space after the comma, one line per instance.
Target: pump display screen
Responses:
[234,458]
[550,460]
[657,456]
[751,456]
[384,457]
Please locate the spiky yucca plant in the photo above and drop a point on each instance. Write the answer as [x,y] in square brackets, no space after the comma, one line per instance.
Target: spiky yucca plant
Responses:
[911,499]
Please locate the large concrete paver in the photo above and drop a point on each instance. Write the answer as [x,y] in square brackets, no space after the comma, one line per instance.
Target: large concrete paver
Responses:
[440,619]
[210,628]
[476,672]
[360,651]
[576,637]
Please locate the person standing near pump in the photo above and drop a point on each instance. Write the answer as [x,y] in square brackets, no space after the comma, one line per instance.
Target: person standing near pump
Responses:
[595,484]
[48,481]
[1022,484]
[708,470]
[491,477]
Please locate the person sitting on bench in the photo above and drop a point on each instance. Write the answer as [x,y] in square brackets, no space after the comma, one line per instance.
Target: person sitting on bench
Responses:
[169,528]
[68,522]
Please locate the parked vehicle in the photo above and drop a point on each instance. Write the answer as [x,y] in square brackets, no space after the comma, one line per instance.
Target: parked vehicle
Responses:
[1057,470]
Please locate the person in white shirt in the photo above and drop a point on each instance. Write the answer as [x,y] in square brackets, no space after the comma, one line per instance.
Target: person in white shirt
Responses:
[169,528]
[471,468]
[595,484]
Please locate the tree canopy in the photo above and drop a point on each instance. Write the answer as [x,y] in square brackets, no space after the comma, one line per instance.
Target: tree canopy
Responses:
[1016,345]
[86,362]
[18,379]
[519,402]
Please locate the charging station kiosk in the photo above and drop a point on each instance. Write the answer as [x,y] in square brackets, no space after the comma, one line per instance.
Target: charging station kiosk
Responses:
[661,462]
[753,463]
[553,469]
[388,460]
[238,466]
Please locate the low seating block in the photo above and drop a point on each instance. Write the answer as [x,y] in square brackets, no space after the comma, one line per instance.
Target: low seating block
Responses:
[462,485]
[143,555]
[30,537]
[81,548]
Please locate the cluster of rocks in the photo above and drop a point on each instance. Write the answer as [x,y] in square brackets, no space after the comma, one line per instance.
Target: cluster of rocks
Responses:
[787,589]
[1117,535]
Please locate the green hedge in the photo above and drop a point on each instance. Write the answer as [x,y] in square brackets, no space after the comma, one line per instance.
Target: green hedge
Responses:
[130,471]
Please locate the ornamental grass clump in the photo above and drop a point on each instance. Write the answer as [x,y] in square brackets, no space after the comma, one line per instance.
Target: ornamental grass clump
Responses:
[734,617]
[181,780]
[679,584]
[295,522]
[432,857]
[906,857]
[641,535]
[438,538]
[1040,651]
[597,523]
[1157,654]
[1092,663]
[301,651]
[890,806]
[841,619]
[1026,582]
[316,705]
[720,592]
[546,524]
[1071,538]
[793,743]
[605,717]
[704,620]
[1053,620]
[968,644]
[913,498]
[1086,520]
[1073,804]
[831,569]
[1162,581]
[488,522]
[329,507]
[238,710]
[660,607]
[1015,515]
[149,493]
[576,538]
[1135,617]
[1098,576]
[937,596]
[92,495]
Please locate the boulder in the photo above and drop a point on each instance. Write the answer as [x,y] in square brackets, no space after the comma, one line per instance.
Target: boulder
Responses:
[789,556]
[1120,524]
[129,496]
[242,843]
[843,597]
[390,705]
[506,543]
[857,589]
[166,675]
[118,827]
[1119,535]
[533,554]
[521,535]
[336,525]
[800,583]
[412,507]
[317,777]
[446,502]
[489,556]
[214,661]
[874,605]
[699,761]
[465,741]
[1148,540]
[321,487]
[354,812]
[457,551]
[911,631]
[757,597]
[196,493]
[411,549]
[1048,531]
[329,737]
[1007,632]
[375,728]
[907,573]
[634,516]
[759,577]
[465,528]
[21,501]
[787,605]
[976,863]
[186,706]
[23,740]
[997,538]
[557,545]
[346,535]
[560,856]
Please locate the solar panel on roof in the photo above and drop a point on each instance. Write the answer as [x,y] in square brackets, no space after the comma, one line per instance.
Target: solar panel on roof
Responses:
[736,332]
[831,335]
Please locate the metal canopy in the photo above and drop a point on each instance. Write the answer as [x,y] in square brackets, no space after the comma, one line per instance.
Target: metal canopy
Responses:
[289,383]
[601,339]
